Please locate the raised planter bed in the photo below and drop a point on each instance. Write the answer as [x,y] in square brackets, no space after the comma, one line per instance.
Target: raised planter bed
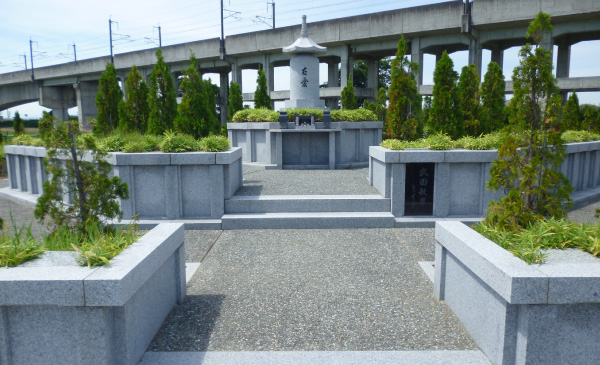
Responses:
[53,311]
[345,145]
[518,313]
[456,179]
[161,185]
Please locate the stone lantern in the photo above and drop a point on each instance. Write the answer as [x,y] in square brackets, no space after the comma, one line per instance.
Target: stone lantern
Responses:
[304,72]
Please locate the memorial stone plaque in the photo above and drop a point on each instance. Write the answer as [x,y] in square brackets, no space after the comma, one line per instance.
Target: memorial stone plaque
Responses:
[418,197]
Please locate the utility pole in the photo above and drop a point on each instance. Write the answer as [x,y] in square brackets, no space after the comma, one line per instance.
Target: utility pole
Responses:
[25,60]
[112,58]
[159,37]
[31,58]
[273,5]
[74,52]
[222,42]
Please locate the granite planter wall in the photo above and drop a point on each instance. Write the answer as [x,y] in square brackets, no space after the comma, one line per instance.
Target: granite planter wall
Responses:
[345,145]
[460,176]
[518,313]
[161,185]
[53,311]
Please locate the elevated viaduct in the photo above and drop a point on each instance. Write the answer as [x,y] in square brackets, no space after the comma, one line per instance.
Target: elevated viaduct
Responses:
[453,26]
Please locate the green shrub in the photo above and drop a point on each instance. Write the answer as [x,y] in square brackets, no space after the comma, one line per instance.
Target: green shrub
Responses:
[439,142]
[112,143]
[544,234]
[256,115]
[355,115]
[145,143]
[27,140]
[485,142]
[175,142]
[214,144]
[580,136]
[394,144]
[318,113]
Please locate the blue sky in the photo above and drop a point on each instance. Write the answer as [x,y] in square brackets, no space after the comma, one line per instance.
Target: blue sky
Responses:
[55,26]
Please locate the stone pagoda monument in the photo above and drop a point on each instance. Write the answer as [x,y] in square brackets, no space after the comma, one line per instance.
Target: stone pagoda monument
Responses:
[304,72]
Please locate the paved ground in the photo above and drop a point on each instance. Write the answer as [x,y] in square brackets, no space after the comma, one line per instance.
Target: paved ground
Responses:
[297,290]
[319,290]
[258,181]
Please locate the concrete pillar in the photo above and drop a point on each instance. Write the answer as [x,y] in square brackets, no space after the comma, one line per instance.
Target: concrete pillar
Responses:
[498,56]
[346,66]
[86,102]
[563,60]
[270,74]
[146,72]
[59,99]
[123,79]
[475,53]
[438,57]
[416,56]
[175,76]
[224,79]
[236,74]
[333,74]
[373,76]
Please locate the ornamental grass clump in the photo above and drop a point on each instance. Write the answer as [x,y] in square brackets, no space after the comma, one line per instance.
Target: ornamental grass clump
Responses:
[19,246]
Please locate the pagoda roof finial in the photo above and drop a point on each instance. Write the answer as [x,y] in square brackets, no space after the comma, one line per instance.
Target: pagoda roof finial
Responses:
[304,44]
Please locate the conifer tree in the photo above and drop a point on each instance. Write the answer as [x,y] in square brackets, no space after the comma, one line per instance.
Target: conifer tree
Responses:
[107,101]
[380,104]
[162,98]
[18,125]
[193,118]
[591,118]
[468,88]
[261,96]
[530,172]
[571,118]
[493,99]
[133,112]
[403,112]
[348,97]
[235,100]
[211,99]
[445,115]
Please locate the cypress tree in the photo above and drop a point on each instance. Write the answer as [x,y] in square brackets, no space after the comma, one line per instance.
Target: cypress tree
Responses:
[468,88]
[530,171]
[571,118]
[261,96]
[591,118]
[235,100]
[404,109]
[162,97]
[193,110]
[493,99]
[18,125]
[380,102]
[349,101]
[445,115]
[134,111]
[107,101]
[211,92]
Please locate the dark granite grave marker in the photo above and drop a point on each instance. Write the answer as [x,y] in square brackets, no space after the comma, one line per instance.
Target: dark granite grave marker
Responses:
[418,197]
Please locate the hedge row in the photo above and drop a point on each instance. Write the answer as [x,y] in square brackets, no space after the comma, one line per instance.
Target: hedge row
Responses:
[266,115]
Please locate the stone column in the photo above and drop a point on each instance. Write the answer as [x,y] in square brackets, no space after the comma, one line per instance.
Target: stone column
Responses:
[498,56]
[224,79]
[563,60]
[59,99]
[416,56]
[86,102]
[373,77]
[236,74]
[333,74]
[270,74]
[475,52]
[347,66]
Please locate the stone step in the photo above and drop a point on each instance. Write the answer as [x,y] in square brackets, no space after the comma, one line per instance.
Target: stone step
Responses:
[307,203]
[312,220]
